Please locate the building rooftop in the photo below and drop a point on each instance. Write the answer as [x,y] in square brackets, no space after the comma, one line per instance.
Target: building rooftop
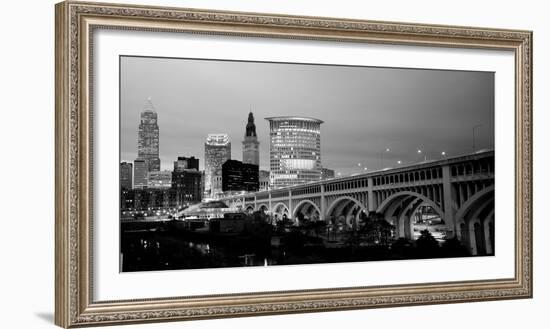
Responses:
[300,118]
[149,106]
[217,139]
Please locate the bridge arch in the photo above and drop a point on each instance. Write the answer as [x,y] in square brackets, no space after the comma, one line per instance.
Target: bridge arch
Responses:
[472,201]
[300,207]
[405,223]
[340,208]
[399,196]
[263,207]
[279,210]
[476,222]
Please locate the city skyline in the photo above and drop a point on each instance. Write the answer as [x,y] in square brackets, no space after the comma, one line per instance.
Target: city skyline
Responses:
[346,119]
[363,143]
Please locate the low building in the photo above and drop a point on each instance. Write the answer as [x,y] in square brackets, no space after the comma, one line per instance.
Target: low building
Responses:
[159,179]
[186,184]
[126,169]
[147,201]
[141,168]
[205,211]
[186,163]
[229,223]
[327,173]
[264,180]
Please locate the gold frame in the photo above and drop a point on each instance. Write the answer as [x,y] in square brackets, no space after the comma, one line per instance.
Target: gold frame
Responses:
[75,21]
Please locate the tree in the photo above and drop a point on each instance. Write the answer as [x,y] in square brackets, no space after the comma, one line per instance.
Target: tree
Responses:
[402,249]
[374,230]
[378,230]
[426,245]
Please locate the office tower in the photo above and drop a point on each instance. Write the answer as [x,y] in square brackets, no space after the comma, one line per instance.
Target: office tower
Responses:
[217,150]
[148,137]
[295,150]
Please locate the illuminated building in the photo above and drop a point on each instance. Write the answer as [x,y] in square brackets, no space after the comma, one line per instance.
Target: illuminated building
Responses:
[295,150]
[217,150]
[148,137]
[187,185]
[251,146]
[159,179]
[126,175]
[147,202]
[239,176]
[140,173]
[206,211]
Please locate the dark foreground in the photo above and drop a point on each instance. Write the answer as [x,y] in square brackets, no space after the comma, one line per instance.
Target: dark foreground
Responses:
[169,245]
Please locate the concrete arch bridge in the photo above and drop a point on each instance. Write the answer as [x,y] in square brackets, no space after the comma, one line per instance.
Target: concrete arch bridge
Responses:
[459,190]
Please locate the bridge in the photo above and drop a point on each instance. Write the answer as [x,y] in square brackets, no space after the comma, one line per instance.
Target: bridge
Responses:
[459,189]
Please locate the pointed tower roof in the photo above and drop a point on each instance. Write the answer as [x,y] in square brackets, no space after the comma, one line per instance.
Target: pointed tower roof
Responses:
[250,126]
[149,106]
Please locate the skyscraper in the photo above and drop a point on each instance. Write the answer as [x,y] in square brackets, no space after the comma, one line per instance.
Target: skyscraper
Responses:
[251,146]
[295,150]
[217,150]
[126,175]
[148,137]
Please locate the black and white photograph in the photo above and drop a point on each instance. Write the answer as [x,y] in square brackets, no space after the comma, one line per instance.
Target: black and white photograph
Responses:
[239,163]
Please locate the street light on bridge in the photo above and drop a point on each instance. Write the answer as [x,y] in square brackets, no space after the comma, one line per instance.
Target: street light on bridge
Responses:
[419,151]
[382,158]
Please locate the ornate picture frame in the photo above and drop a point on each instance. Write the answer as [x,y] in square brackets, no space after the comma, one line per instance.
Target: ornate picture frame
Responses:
[76,22]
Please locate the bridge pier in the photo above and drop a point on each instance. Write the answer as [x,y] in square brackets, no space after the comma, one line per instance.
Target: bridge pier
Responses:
[371,206]
[448,211]
[290,210]
[322,215]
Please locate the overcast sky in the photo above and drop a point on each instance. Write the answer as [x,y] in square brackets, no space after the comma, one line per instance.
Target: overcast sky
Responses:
[365,109]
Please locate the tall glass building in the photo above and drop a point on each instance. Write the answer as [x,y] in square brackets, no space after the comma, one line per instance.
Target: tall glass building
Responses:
[217,150]
[295,150]
[148,137]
